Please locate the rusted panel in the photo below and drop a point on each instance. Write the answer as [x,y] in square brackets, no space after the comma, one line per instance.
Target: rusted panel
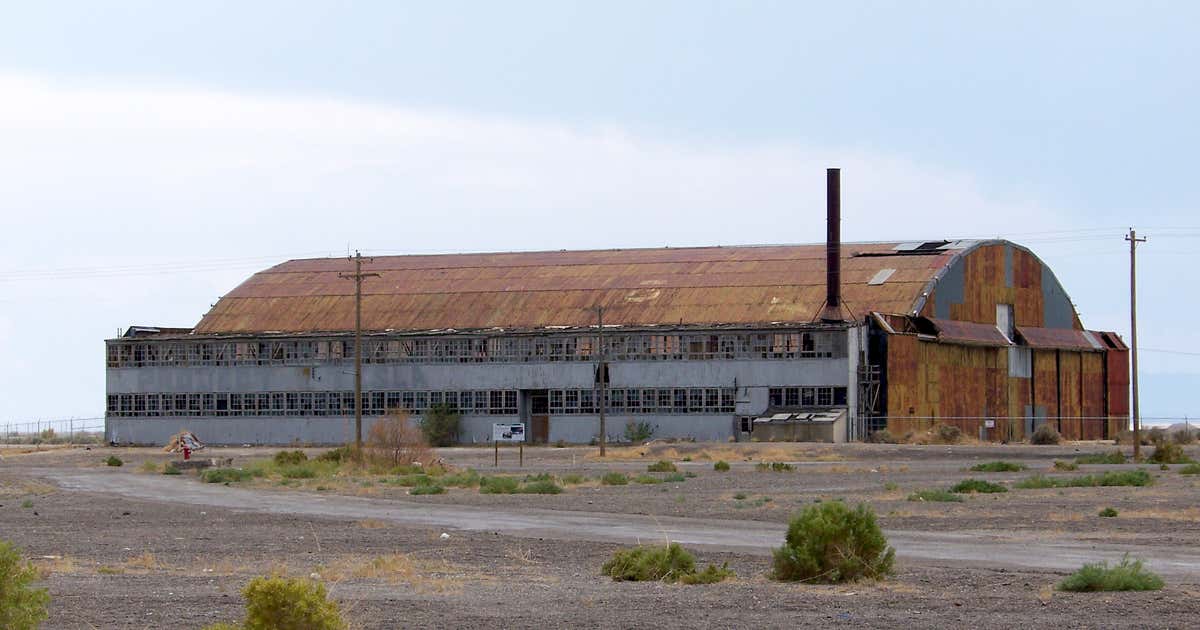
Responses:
[715,285]
[903,381]
[1070,375]
[1045,381]
[1059,338]
[969,333]
[1092,391]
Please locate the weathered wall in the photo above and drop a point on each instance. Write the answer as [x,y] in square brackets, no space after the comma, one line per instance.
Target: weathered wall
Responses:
[939,383]
[971,287]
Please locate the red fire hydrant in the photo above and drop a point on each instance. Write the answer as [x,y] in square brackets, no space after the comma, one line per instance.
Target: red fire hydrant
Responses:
[187,453]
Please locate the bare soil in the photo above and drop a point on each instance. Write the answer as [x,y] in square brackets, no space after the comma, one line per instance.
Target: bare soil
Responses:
[118,561]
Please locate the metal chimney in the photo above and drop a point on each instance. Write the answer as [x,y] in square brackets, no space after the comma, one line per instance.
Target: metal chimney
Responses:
[833,244]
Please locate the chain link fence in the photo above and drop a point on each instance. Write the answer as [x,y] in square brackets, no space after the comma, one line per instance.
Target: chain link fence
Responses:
[57,431]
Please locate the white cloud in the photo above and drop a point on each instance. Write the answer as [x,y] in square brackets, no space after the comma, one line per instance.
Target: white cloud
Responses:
[99,175]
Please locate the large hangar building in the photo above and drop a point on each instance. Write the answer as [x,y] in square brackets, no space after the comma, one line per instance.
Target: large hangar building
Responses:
[708,343]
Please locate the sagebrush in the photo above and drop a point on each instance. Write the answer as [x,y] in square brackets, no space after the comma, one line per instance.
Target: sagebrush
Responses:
[393,441]
[666,563]
[1127,575]
[831,542]
[638,431]
[22,605]
[1045,435]
[280,603]
[440,425]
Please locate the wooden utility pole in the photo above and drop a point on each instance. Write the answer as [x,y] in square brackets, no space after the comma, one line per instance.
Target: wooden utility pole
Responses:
[358,276]
[1137,419]
[601,372]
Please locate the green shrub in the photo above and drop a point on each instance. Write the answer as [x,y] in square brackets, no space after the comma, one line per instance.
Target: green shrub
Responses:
[614,479]
[944,496]
[22,607]
[891,486]
[1167,452]
[686,458]
[948,433]
[298,471]
[26,504]
[710,575]
[465,479]
[224,475]
[830,542]
[661,465]
[337,455]
[573,479]
[739,496]
[668,563]
[647,479]
[638,431]
[412,480]
[440,425]
[170,469]
[882,436]
[1184,436]
[998,466]
[1108,513]
[428,489]
[290,458]
[1115,457]
[1045,435]
[498,485]
[113,460]
[773,467]
[721,466]
[674,478]
[279,603]
[1128,575]
[1062,465]
[540,487]
[1190,469]
[1111,478]
[967,486]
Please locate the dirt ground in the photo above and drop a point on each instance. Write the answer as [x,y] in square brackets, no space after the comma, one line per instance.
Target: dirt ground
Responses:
[113,560]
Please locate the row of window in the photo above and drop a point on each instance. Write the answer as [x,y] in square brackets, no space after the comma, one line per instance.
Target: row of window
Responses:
[489,402]
[505,349]
[806,396]
[647,400]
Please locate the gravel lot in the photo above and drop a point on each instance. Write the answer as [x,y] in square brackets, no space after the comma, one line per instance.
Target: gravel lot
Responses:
[116,561]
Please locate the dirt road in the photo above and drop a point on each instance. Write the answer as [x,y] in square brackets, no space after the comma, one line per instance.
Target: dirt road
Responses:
[988,549]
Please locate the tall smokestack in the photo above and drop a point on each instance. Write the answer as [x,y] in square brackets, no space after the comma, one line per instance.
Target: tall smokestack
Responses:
[833,244]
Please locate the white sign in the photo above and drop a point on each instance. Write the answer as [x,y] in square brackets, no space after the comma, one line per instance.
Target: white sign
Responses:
[508,432]
[989,424]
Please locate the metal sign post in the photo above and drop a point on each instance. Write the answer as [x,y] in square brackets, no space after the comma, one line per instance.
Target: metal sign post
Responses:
[508,432]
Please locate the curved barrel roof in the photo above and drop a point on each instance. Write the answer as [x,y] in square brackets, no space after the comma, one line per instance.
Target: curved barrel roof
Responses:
[745,285]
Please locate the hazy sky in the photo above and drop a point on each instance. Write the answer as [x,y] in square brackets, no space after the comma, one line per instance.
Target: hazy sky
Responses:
[153,154]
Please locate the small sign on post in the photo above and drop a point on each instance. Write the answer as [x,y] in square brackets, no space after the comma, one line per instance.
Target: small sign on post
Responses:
[508,432]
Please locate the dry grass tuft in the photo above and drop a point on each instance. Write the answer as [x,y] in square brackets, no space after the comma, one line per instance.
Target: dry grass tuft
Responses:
[50,565]
[372,523]
[425,576]
[24,487]
[145,561]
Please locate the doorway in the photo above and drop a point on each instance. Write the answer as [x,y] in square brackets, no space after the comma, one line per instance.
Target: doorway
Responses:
[539,416]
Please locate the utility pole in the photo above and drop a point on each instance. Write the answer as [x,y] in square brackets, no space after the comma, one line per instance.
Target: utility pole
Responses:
[358,276]
[1137,419]
[601,372]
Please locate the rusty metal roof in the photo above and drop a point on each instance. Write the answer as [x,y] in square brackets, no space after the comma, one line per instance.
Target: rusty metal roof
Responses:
[670,286]
[1060,339]
[969,333]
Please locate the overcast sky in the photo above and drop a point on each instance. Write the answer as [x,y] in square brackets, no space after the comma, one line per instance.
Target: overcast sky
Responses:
[154,154]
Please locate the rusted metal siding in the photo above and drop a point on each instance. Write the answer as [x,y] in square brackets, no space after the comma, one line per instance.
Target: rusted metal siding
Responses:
[933,383]
[988,274]
[716,285]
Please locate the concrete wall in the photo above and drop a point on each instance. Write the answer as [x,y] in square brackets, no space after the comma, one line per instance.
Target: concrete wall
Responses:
[285,430]
[752,378]
[715,373]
